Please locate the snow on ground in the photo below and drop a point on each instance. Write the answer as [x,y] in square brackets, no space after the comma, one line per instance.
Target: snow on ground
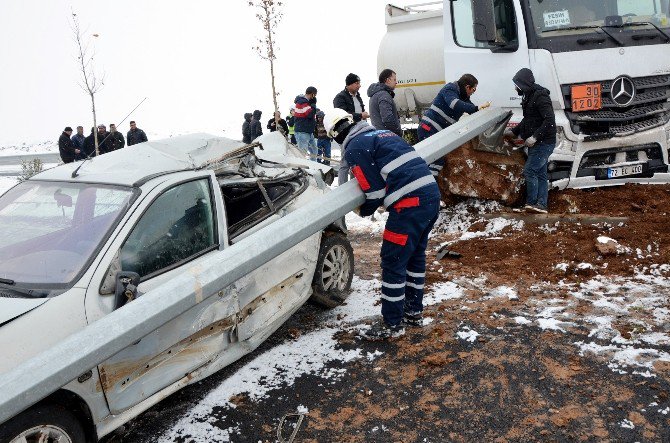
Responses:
[6,183]
[308,354]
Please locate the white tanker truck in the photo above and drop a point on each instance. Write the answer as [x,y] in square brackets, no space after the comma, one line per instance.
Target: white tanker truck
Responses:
[605,62]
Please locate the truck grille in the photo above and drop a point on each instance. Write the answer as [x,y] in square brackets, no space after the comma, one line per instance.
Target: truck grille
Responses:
[649,108]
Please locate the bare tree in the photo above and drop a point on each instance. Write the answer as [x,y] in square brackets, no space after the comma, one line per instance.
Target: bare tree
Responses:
[90,82]
[269,14]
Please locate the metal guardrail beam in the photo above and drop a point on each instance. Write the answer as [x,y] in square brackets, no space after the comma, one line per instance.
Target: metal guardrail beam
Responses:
[45,373]
[45,157]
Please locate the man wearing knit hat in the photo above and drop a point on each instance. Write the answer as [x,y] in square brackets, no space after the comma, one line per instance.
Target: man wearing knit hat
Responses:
[350,100]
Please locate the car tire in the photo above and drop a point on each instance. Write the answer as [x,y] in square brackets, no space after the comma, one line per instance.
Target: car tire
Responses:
[48,421]
[334,271]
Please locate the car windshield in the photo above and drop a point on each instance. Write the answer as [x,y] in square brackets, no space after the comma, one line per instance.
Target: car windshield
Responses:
[49,230]
[561,17]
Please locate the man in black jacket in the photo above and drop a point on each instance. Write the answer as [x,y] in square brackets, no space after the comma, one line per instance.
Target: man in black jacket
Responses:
[255,127]
[89,145]
[115,140]
[66,147]
[351,101]
[538,130]
[135,135]
[246,128]
[103,140]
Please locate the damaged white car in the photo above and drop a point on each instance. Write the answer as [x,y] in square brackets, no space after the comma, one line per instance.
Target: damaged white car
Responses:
[84,239]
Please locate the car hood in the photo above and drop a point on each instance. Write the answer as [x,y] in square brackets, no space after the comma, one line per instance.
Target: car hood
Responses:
[11,308]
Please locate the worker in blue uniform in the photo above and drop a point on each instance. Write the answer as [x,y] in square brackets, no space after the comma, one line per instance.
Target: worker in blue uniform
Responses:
[451,103]
[391,174]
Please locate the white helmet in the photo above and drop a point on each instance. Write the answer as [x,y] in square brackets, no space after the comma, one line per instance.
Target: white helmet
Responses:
[333,117]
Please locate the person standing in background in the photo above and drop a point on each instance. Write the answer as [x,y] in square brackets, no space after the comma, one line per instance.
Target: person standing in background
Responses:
[135,135]
[383,112]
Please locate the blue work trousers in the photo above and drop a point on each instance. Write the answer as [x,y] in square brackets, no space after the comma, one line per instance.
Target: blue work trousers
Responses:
[403,253]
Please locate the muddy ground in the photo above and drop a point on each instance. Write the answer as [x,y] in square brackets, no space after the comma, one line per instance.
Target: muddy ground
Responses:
[540,362]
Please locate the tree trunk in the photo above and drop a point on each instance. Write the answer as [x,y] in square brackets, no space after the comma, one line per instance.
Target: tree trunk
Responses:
[95,126]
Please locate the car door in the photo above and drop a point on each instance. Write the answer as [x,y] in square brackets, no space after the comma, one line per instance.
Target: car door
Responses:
[175,232]
[271,293]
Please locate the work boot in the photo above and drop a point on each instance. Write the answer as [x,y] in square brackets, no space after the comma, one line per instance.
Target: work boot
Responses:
[411,318]
[381,331]
[538,209]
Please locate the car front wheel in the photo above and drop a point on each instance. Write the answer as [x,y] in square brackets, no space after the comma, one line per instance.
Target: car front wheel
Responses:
[43,423]
[334,271]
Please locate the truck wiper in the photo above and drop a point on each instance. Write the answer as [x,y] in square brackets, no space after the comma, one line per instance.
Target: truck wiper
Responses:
[663,33]
[574,28]
[7,281]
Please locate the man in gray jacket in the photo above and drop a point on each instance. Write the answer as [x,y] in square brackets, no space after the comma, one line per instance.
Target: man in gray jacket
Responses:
[383,112]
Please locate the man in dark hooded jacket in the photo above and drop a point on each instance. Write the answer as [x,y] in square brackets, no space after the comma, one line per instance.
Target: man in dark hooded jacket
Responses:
[383,112]
[255,128]
[538,130]
[246,129]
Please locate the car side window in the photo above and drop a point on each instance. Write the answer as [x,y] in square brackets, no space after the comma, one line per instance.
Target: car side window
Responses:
[462,13]
[177,226]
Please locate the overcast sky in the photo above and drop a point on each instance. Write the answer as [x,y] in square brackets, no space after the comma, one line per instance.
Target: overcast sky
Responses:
[192,60]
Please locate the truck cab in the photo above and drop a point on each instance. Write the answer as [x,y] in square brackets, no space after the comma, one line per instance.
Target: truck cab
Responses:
[605,63]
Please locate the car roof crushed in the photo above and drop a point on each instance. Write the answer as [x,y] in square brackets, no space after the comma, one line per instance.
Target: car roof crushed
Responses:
[270,156]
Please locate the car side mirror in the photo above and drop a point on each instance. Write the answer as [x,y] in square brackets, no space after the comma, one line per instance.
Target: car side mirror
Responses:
[126,288]
[483,22]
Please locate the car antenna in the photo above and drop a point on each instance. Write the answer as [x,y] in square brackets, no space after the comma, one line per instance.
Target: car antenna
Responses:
[74,173]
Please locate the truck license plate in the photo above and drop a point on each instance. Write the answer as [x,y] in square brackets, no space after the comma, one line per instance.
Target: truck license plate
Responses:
[624,170]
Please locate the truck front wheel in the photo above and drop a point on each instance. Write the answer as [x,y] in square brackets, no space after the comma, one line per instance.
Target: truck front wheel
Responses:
[334,271]
[43,423]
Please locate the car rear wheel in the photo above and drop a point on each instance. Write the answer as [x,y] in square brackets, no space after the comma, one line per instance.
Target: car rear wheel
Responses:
[334,271]
[44,424]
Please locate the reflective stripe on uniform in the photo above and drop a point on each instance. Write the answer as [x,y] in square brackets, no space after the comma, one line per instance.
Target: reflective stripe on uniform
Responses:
[414,285]
[453,103]
[412,186]
[441,112]
[416,274]
[376,194]
[392,165]
[399,298]
[393,285]
[435,125]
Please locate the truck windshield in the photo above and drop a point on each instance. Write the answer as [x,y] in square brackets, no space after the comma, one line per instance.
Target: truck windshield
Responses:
[50,230]
[564,17]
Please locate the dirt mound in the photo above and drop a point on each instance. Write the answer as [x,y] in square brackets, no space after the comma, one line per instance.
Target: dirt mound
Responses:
[553,249]
[471,173]
[626,200]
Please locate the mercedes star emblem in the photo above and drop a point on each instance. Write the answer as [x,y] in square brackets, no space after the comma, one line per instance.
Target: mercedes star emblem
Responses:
[623,91]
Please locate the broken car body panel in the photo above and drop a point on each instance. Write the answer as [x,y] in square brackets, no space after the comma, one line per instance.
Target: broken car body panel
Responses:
[188,199]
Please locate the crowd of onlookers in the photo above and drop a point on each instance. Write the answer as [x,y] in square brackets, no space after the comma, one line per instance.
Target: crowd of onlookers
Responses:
[80,146]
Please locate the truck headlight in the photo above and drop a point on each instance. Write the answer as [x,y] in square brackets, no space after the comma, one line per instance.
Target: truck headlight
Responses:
[562,142]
